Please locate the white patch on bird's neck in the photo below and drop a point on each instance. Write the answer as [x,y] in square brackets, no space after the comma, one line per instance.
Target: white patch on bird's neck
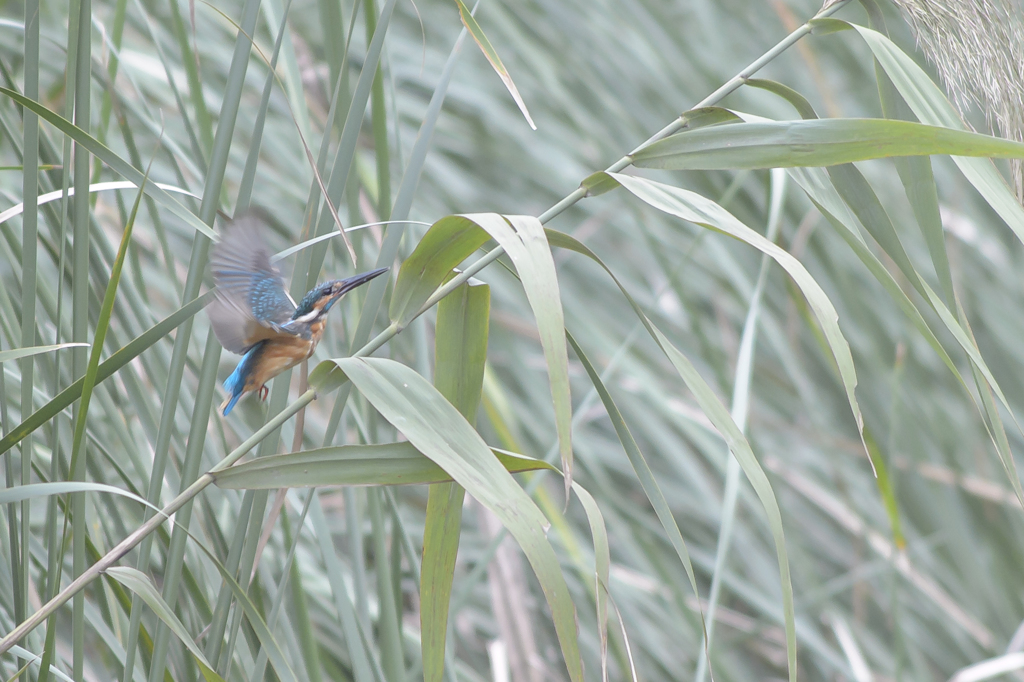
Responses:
[308,317]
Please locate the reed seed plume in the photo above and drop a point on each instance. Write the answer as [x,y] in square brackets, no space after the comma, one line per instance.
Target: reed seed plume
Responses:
[977,47]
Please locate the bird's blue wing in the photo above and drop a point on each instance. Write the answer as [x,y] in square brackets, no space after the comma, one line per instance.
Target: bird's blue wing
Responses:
[251,303]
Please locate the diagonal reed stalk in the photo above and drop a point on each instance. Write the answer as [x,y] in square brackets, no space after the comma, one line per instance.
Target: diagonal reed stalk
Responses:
[117,552]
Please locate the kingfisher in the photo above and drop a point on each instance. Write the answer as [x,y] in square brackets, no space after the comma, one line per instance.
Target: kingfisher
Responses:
[253,315]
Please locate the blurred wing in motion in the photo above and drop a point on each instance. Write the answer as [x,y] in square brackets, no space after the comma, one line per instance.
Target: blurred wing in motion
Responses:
[251,303]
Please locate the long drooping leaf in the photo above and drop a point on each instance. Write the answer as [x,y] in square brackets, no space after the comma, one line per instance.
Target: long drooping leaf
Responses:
[492,56]
[140,584]
[460,353]
[524,241]
[697,209]
[437,430]
[817,142]
[448,242]
[726,427]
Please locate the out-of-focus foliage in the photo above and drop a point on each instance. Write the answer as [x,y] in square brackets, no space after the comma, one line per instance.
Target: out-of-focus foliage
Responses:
[902,303]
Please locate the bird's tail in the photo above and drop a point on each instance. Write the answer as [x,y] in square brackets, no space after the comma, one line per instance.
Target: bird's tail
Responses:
[235,385]
[226,406]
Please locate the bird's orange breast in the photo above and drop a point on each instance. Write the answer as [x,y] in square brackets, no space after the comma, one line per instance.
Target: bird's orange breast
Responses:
[278,354]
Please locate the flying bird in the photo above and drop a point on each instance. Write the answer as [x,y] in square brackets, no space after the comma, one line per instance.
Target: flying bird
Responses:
[253,315]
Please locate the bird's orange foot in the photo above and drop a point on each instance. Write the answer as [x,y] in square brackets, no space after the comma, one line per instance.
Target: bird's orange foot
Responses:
[263,391]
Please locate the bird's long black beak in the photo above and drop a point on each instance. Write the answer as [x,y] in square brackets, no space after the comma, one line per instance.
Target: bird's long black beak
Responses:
[354,281]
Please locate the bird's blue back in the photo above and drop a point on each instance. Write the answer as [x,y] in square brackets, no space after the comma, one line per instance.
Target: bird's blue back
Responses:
[251,304]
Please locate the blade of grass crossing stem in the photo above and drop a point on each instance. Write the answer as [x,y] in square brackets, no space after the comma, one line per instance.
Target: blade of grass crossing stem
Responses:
[174,560]
[492,56]
[106,369]
[931,106]
[140,584]
[430,422]
[697,209]
[263,634]
[460,353]
[720,418]
[116,163]
[739,411]
[524,241]
[248,535]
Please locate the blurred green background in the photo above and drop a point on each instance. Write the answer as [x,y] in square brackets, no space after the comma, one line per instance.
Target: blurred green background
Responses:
[917,601]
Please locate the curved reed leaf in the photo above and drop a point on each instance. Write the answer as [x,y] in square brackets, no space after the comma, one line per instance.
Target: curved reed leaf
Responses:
[460,353]
[697,209]
[140,584]
[492,56]
[430,423]
[726,427]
